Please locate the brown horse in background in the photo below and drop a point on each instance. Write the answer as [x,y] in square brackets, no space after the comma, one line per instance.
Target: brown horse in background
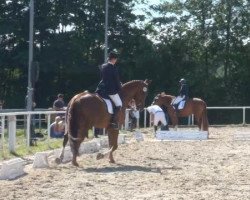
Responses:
[87,110]
[194,106]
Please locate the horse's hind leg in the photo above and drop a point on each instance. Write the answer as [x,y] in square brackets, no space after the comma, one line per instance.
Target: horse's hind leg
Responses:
[76,142]
[65,141]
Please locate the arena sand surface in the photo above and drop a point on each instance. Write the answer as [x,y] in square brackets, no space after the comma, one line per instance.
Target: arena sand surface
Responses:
[215,169]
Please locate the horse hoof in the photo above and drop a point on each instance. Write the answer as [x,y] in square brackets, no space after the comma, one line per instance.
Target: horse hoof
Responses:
[112,161]
[58,161]
[99,156]
[75,163]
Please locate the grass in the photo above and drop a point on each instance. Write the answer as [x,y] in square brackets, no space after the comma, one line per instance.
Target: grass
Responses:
[21,149]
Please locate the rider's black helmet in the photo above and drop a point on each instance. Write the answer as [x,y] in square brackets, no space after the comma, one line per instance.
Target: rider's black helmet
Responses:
[182,81]
[112,55]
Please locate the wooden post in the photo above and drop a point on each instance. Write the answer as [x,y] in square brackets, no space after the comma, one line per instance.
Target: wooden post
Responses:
[12,132]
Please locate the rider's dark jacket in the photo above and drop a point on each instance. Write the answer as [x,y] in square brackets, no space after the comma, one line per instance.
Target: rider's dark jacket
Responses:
[184,91]
[110,82]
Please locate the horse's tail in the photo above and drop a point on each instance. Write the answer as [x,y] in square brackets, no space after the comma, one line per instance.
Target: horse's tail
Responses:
[205,123]
[71,119]
[71,122]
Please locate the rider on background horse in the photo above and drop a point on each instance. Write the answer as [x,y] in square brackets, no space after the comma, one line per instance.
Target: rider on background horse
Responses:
[183,94]
[110,86]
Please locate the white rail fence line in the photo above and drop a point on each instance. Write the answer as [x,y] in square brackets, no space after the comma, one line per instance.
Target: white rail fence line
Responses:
[243,108]
[191,117]
[12,122]
[12,126]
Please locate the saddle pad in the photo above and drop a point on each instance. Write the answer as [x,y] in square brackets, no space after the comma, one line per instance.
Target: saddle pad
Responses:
[109,105]
[181,105]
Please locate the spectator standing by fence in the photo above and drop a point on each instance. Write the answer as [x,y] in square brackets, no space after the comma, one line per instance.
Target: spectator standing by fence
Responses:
[59,104]
[133,115]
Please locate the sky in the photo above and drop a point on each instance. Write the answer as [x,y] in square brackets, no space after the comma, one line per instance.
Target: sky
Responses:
[139,9]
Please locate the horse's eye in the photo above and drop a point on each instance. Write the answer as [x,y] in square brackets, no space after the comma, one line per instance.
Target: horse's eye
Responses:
[145,89]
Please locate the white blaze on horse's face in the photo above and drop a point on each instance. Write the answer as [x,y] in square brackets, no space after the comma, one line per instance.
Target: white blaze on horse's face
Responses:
[145,89]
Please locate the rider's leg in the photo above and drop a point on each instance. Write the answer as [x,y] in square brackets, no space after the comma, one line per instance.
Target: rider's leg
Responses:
[117,111]
[155,128]
[176,103]
[162,118]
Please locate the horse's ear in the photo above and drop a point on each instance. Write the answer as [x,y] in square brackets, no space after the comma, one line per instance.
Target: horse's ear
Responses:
[147,81]
[163,93]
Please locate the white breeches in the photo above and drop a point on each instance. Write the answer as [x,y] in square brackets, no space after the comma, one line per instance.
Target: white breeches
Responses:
[159,117]
[116,99]
[178,99]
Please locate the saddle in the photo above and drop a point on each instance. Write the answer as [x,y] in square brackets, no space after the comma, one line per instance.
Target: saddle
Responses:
[109,104]
[179,103]
[114,111]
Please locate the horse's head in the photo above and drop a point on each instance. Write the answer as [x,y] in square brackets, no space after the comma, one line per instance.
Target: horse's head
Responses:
[159,100]
[162,99]
[136,90]
[141,94]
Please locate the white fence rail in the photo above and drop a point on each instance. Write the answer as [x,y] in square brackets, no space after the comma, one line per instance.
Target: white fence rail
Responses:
[11,123]
[10,118]
[243,108]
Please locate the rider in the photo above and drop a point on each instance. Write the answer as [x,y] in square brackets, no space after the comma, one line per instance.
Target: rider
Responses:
[110,86]
[183,94]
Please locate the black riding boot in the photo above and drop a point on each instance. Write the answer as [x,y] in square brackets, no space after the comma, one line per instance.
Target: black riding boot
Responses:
[155,128]
[115,117]
[164,128]
[97,132]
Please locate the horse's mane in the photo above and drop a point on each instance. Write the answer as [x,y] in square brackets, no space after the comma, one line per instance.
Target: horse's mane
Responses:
[130,82]
[168,95]
[163,94]
[197,99]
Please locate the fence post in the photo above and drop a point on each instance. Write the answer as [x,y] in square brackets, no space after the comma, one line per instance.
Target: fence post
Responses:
[189,120]
[138,119]
[40,123]
[145,117]
[12,132]
[126,119]
[28,130]
[2,131]
[244,116]
[48,127]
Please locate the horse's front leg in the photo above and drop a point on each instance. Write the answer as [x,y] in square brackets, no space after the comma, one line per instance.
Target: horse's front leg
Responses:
[113,143]
[173,117]
[198,121]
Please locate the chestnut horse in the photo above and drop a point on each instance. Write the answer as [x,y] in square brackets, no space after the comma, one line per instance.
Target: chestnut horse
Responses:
[87,110]
[194,106]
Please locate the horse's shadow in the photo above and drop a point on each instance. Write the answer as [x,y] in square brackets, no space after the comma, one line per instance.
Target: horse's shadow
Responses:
[121,168]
